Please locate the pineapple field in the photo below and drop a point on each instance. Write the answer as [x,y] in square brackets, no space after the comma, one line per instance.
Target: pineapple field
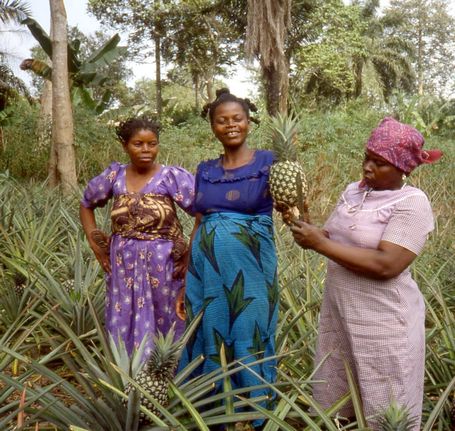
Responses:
[60,371]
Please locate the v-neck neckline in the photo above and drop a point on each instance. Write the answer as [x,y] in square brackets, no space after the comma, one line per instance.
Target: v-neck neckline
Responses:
[148,182]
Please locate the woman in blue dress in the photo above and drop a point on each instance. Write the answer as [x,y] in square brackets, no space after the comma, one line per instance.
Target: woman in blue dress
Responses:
[232,273]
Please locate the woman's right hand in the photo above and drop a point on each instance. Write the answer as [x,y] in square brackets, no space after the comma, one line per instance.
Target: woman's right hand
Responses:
[307,235]
[102,257]
[100,244]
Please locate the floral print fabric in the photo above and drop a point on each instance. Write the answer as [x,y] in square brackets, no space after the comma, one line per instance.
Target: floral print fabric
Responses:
[141,291]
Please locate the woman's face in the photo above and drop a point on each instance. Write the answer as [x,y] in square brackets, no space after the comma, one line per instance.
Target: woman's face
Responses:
[230,124]
[142,148]
[379,174]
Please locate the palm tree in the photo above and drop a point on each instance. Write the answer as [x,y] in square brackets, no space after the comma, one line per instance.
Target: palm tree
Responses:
[385,59]
[13,11]
[268,21]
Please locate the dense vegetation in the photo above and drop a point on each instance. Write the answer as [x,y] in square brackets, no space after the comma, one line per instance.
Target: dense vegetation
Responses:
[348,66]
[50,334]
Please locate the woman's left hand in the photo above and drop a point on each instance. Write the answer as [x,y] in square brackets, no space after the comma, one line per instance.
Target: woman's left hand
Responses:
[180,267]
[180,304]
[307,235]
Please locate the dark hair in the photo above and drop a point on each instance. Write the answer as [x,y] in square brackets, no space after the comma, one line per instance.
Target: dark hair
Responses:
[223,95]
[129,127]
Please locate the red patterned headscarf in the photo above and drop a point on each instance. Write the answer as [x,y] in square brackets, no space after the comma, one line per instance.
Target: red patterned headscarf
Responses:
[401,145]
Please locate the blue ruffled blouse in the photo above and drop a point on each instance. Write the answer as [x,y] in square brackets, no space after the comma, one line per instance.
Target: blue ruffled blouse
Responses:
[243,190]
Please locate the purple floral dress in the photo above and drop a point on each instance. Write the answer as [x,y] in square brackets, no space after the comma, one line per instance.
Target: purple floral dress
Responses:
[146,241]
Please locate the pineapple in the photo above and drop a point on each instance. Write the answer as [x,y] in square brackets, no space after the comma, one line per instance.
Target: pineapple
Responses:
[20,284]
[396,418]
[157,372]
[287,181]
[68,285]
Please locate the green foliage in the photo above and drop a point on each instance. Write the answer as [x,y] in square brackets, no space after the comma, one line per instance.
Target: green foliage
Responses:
[396,418]
[13,11]
[323,67]
[430,28]
[352,52]
[55,333]
[84,73]
[429,114]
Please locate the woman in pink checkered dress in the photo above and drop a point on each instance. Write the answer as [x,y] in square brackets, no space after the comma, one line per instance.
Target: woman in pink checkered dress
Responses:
[372,315]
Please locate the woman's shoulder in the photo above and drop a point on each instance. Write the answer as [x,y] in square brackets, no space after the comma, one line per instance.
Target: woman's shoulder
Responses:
[205,164]
[266,155]
[174,170]
[111,172]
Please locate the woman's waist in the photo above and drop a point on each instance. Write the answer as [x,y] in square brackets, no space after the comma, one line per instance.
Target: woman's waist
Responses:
[223,226]
[231,215]
[165,235]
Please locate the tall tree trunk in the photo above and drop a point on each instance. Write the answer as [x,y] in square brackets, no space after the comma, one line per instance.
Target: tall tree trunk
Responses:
[159,97]
[268,23]
[358,83]
[157,41]
[420,62]
[210,89]
[271,82]
[196,92]
[62,114]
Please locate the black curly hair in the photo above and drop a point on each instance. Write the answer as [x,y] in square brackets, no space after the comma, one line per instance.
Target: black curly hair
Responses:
[130,126]
[223,95]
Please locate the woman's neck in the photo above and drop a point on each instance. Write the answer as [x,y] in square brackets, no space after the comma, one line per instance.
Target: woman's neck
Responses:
[234,158]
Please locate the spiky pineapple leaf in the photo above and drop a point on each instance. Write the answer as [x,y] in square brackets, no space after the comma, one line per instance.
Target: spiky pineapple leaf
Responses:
[396,418]
[282,131]
[228,348]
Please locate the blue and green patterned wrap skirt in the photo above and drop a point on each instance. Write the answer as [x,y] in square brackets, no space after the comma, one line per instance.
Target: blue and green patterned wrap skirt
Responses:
[233,275]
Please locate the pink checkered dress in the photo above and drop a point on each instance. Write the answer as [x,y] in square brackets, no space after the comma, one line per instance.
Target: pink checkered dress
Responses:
[376,325]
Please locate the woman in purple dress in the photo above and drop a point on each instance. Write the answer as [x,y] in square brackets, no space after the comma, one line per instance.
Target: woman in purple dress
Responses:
[145,257]
[373,314]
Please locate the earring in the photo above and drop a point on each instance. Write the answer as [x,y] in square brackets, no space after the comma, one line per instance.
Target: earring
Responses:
[404,178]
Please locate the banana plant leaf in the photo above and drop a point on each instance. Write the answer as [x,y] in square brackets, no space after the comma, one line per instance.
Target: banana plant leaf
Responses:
[45,42]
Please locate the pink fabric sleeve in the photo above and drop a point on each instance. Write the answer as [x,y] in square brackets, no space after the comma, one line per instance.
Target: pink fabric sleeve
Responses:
[410,223]
[179,184]
[100,188]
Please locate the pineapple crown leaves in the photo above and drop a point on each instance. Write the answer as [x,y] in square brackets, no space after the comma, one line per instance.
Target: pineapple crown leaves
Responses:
[396,418]
[130,365]
[165,355]
[282,131]
[167,352]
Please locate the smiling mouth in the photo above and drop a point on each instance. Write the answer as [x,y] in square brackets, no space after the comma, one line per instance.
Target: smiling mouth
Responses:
[232,134]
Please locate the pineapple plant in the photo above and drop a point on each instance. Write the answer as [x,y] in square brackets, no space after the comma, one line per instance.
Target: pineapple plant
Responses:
[288,185]
[396,418]
[157,372]
[452,413]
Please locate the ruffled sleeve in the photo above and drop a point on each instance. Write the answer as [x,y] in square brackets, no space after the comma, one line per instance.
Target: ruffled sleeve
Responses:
[410,223]
[100,189]
[179,185]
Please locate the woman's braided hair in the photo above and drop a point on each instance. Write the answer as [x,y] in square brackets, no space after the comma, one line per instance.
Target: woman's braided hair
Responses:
[130,126]
[223,95]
